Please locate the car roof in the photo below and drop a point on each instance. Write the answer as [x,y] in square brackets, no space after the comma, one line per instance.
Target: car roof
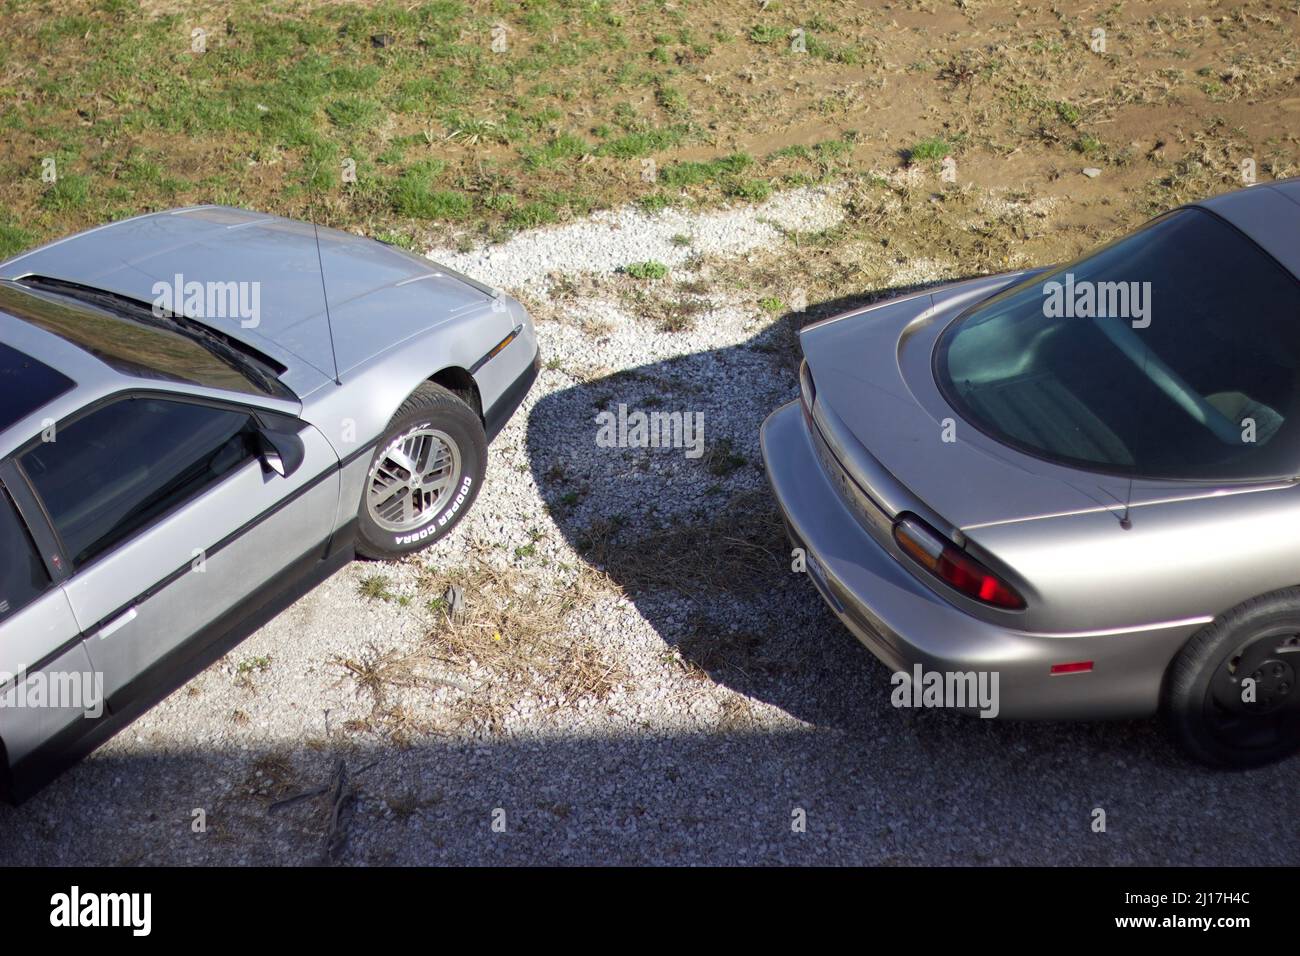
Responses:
[1269,213]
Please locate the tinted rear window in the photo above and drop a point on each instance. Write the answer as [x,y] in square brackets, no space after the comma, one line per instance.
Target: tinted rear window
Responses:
[26,385]
[1172,353]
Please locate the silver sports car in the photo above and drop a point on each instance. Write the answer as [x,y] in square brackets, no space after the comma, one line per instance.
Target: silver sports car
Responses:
[1084,480]
[204,412]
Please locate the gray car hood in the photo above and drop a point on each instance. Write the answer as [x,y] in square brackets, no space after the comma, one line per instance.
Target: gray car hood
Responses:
[873,374]
[378,295]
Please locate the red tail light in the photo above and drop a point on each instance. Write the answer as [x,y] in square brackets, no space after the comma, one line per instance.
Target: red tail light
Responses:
[949,563]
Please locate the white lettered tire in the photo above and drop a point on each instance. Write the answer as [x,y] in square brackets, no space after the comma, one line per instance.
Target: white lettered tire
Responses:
[424,475]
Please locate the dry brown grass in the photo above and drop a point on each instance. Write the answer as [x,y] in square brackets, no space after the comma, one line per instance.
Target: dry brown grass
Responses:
[377,672]
[514,638]
[380,675]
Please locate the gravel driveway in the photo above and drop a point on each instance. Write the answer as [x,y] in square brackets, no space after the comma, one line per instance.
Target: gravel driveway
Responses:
[683,698]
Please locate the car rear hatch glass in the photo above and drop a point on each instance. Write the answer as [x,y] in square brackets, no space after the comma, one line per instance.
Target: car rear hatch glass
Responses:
[1173,353]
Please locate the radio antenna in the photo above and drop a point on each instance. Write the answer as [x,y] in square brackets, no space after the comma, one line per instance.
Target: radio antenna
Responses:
[325,294]
[1126,520]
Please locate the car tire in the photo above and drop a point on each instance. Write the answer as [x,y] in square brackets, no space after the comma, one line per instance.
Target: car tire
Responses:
[431,425]
[1203,700]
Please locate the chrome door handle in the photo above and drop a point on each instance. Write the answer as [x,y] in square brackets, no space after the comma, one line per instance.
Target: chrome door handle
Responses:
[119,622]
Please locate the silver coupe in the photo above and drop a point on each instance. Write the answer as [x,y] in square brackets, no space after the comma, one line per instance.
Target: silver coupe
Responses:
[1085,480]
[203,412]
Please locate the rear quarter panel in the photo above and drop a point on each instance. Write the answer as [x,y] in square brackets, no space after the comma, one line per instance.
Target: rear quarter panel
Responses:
[1191,558]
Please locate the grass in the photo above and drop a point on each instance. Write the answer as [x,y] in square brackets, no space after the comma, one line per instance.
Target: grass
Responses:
[14,240]
[251,665]
[739,549]
[646,270]
[719,171]
[1088,145]
[515,634]
[377,673]
[375,587]
[671,310]
[721,458]
[450,138]
[928,149]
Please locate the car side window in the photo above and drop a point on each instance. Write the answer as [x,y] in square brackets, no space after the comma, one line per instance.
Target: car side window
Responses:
[23,577]
[108,474]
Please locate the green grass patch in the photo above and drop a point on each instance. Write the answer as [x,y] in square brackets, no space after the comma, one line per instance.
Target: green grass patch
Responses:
[1088,145]
[563,147]
[708,171]
[753,190]
[646,270]
[14,240]
[70,193]
[928,149]
[353,112]
[655,202]
[415,195]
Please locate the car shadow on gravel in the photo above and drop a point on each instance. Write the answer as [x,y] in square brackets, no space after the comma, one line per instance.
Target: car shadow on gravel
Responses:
[905,796]
[698,546]
[728,797]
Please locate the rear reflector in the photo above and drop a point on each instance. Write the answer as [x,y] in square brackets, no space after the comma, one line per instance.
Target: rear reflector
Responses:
[949,563]
[1074,667]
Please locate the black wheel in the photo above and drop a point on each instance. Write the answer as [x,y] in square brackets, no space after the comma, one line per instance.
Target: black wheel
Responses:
[424,475]
[1230,697]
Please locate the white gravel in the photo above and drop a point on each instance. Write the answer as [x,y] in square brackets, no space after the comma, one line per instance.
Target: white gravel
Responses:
[609,240]
[690,761]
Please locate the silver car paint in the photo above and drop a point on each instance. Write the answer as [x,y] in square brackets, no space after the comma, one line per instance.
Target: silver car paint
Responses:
[124,640]
[25,640]
[397,321]
[1192,552]
[379,298]
[905,621]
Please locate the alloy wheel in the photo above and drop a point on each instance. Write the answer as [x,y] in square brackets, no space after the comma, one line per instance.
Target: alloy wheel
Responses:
[411,478]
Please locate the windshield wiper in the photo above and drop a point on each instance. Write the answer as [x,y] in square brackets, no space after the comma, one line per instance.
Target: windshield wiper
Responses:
[255,365]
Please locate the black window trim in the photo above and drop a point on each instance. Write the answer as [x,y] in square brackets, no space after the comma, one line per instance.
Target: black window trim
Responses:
[32,514]
[940,353]
[12,488]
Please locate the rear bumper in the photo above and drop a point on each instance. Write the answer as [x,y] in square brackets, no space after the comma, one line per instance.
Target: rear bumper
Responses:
[905,623]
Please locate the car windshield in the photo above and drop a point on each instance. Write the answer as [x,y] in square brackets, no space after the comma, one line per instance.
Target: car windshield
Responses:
[1171,354]
[126,336]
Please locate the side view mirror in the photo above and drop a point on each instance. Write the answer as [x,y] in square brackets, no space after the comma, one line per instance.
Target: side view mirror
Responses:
[281,451]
